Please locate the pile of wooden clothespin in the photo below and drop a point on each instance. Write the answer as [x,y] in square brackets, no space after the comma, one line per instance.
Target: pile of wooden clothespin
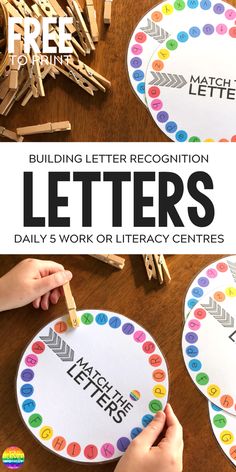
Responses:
[156,267]
[20,81]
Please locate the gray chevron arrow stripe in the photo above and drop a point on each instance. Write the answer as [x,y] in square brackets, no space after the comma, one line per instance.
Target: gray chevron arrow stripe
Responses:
[219,313]
[213,308]
[50,339]
[66,355]
[232,267]
[58,346]
[168,80]
[64,350]
[154,30]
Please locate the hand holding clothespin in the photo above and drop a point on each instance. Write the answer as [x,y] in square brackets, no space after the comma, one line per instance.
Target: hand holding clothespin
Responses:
[156,267]
[70,303]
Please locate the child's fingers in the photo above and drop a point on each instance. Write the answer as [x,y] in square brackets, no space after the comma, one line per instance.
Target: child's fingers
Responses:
[36,302]
[46,284]
[150,434]
[55,295]
[174,433]
[49,267]
[45,301]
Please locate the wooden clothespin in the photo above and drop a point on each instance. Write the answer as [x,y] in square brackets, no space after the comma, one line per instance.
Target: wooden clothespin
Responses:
[71,5]
[156,267]
[107,12]
[116,261]
[70,303]
[15,66]
[37,11]
[11,10]
[82,37]
[44,128]
[35,75]
[44,72]
[81,26]
[162,269]
[46,7]
[56,10]
[7,102]
[92,18]
[91,75]
[4,87]
[11,95]
[23,8]
[60,12]
[150,266]
[77,47]
[53,71]
[10,135]
[77,78]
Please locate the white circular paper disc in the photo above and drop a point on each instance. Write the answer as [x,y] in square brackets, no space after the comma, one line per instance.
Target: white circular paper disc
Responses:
[209,346]
[162,21]
[220,272]
[85,393]
[190,84]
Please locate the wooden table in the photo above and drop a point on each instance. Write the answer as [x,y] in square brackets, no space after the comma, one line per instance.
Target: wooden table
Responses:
[159,309]
[115,116]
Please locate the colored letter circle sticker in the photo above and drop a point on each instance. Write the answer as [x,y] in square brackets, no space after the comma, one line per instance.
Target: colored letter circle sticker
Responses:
[28,405]
[90,452]
[191,97]
[31,360]
[73,449]
[85,368]
[58,443]
[13,457]
[107,450]
[38,347]
[209,346]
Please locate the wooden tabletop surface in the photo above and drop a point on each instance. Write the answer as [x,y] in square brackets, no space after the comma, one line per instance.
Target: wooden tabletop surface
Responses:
[117,115]
[159,309]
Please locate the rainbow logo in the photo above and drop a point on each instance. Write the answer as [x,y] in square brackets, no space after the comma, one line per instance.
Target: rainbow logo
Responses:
[13,457]
[135,395]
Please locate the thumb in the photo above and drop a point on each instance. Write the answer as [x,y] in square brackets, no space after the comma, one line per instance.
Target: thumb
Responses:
[150,434]
[46,284]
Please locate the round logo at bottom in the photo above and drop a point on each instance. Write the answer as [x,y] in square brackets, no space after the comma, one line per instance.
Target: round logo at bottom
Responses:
[13,457]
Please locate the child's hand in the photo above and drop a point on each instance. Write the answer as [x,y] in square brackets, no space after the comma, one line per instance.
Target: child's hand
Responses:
[142,456]
[32,280]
